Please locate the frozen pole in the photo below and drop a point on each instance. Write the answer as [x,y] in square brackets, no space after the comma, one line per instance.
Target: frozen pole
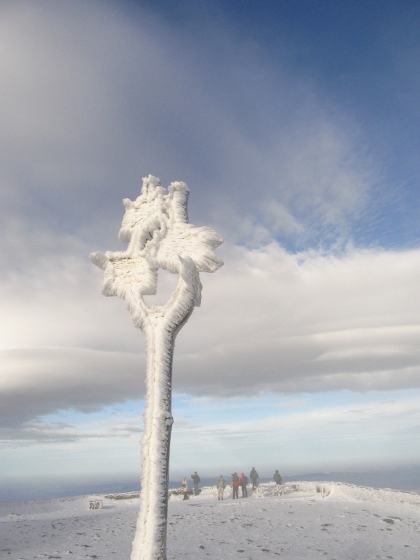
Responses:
[158,234]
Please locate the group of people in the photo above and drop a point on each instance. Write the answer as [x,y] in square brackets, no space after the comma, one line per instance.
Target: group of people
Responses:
[236,482]
[196,480]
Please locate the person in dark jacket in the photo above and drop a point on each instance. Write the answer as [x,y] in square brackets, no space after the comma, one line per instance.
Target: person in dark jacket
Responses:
[277,478]
[254,477]
[242,483]
[235,485]
[196,480]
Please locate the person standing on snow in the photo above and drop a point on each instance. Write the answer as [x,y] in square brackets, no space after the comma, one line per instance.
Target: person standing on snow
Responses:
[277,478]
[235,485]
[185,487]
[254,477]
[196,480]
[221,485]
[243,482]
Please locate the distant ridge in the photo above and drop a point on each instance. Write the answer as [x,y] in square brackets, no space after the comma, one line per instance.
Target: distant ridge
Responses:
[407,479]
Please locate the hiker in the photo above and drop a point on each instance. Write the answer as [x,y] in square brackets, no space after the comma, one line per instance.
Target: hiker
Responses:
[196,480]
[235,485]
[221,485]
[254,477]
[243,482]
[185,487]
[277,478]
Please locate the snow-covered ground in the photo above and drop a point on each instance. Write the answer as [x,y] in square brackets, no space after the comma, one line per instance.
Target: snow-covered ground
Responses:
[308,520]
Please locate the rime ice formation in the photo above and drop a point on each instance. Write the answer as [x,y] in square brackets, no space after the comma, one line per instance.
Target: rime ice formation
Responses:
[158,234]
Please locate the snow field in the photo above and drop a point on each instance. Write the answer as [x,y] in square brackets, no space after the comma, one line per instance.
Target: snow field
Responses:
[304,520]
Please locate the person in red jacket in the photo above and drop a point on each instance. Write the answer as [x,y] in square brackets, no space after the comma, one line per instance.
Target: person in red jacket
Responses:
[242,483]
[235,485]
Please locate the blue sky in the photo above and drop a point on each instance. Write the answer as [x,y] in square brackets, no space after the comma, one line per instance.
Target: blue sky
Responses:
[295,126]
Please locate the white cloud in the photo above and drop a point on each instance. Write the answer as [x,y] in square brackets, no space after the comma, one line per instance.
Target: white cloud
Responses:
[42,380]
[269,321]
[36,432]
[281,219]
[370,435]
[283,315]
[93,101]
[377,433]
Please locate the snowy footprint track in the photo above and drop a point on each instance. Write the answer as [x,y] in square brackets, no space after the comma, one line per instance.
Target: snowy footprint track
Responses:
[341,522]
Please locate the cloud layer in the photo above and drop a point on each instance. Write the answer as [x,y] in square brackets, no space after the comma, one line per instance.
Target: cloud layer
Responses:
[379,432]
[270,321]
[97,95]
[349,437]
[93,102]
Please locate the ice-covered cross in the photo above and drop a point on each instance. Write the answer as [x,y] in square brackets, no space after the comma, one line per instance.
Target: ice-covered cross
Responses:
[158,234]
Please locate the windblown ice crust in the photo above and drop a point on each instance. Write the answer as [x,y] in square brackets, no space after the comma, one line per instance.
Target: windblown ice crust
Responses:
[300,521]
[158,234]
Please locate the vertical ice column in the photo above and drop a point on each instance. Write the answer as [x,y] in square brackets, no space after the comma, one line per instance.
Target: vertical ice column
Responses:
[150,538]
[160,328]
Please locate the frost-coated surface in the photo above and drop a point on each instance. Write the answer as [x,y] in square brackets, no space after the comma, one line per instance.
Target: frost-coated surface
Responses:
[342,522]
[158,234]
[157,231]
